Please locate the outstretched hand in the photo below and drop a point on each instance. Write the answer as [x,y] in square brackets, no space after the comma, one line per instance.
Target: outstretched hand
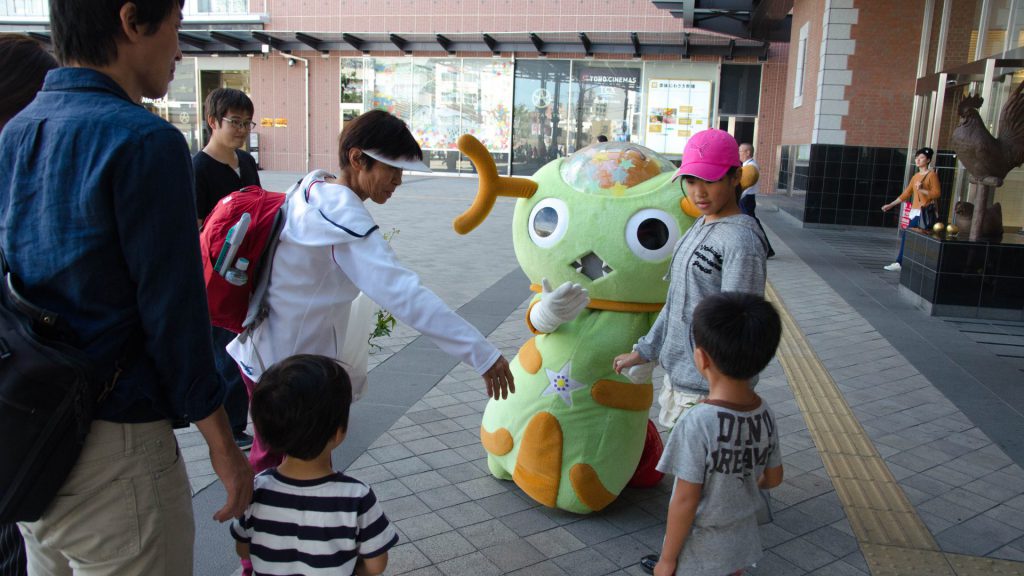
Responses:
[499,379]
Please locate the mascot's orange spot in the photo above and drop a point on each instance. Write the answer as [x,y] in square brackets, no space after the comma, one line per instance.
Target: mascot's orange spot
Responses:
[589,488]
[498,442]
[529,357]
[539,464]
[623,395]
[689,208]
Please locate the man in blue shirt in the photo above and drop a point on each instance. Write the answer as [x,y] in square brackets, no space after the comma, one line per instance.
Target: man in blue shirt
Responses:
[97,219]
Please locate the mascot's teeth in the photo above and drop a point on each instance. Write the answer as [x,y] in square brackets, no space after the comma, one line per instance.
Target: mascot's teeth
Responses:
[592,266]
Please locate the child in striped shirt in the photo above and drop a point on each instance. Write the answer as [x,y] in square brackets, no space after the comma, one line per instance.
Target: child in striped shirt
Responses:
[305,518]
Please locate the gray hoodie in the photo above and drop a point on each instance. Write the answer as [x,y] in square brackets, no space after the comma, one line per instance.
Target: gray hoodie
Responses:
[727,255]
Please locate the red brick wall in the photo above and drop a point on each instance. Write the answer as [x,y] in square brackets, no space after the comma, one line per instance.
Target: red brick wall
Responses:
[471,16]
[798,123]
[278,91]
[770,115]
[884,65]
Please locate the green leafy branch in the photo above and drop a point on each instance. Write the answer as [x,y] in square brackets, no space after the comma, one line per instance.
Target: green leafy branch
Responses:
[384,322]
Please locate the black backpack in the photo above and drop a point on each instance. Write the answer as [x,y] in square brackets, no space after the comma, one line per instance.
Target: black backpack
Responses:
[49,391]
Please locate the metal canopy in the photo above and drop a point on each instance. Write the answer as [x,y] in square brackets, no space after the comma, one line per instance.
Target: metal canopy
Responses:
[624,44]
[763,19]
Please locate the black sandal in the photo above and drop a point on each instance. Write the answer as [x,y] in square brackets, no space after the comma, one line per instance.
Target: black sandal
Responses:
[647,563]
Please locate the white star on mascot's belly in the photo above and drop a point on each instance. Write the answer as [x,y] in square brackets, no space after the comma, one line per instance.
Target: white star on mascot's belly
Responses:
[561,383]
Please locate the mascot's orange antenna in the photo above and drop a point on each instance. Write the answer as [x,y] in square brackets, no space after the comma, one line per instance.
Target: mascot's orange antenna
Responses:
[491,185]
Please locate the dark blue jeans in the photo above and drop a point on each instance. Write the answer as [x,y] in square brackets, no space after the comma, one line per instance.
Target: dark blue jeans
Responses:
[748,205]
[915,222]
[236,399]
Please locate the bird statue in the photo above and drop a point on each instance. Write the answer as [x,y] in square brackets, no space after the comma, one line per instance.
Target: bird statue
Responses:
[989,159]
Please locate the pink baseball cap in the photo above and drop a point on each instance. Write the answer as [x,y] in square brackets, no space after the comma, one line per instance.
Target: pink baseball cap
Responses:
[709,154]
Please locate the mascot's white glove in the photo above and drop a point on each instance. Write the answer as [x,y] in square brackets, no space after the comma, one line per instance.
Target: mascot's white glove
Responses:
[557,307]
[640,374]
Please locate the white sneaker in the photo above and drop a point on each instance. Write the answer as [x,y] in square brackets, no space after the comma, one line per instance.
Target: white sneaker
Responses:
[894,267]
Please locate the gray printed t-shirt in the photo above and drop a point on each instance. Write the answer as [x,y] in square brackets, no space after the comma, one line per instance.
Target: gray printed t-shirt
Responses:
[726,450]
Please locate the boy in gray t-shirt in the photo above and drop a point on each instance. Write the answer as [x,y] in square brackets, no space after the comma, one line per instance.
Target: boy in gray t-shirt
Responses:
[726,448]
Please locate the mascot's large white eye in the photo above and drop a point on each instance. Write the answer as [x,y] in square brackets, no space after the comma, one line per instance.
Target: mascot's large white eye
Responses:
[651,234]
[548,222]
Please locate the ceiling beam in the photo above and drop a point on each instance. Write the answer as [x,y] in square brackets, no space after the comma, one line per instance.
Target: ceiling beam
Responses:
[588,48]
[267,39]
[353,41]
[311,41]
[444,43]
[192,40]
[538,44]
[492,44]
[399,43]
[228,39]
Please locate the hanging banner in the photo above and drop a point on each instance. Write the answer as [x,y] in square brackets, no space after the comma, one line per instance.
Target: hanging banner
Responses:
[676,109]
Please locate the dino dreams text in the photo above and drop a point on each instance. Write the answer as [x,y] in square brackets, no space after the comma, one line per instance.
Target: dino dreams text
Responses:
[740,444]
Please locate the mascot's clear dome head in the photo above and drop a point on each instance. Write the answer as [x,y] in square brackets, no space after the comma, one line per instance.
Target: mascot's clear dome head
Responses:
[612,168]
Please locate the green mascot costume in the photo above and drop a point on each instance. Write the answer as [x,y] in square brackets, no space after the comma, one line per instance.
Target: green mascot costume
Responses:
[599,226]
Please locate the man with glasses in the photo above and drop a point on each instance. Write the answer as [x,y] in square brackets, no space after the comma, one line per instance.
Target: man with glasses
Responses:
[221,168]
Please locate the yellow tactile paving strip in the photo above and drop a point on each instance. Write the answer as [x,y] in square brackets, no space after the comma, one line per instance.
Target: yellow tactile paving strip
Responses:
[891,535]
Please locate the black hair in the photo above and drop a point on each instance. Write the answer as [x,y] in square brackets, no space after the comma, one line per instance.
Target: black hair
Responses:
[87,32]
[377,131]
[24,64]
[928,152]
[221,100]
[738,331]
[300,403]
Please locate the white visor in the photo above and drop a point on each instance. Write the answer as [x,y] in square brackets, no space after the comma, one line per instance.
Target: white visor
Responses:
[409,164]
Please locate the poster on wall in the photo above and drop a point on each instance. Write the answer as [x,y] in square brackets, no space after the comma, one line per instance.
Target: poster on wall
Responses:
[676,109]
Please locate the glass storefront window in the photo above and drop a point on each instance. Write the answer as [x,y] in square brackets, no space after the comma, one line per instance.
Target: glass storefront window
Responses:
[540,107]
[391,86]
[996,22]
[180,106]
[606,101]
[440,99]
[436,116]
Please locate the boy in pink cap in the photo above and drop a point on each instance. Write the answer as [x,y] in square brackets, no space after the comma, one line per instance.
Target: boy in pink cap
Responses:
[724,251]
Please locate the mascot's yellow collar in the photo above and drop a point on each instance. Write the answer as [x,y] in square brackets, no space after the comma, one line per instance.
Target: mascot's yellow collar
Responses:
[615,306]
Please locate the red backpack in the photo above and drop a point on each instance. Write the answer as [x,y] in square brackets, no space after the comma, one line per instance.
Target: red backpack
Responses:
[258,216]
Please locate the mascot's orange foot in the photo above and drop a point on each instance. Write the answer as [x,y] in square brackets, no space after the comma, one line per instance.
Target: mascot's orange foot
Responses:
[589,488]
[539,464]
[498,442]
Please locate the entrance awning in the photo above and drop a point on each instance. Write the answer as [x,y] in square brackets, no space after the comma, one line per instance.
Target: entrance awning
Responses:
[572,44]
[762,19]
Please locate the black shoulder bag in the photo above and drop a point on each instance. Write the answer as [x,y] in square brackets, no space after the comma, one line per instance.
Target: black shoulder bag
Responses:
[49,391]
[929,212]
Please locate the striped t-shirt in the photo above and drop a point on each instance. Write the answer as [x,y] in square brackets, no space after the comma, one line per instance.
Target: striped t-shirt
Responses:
[312,527]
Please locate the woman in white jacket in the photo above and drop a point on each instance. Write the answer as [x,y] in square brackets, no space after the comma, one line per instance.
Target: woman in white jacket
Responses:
[331,249]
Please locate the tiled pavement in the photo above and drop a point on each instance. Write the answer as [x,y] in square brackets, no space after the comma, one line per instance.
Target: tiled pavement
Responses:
[430,473]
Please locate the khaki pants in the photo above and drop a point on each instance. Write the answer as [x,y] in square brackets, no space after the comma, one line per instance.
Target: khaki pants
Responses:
[125,509]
